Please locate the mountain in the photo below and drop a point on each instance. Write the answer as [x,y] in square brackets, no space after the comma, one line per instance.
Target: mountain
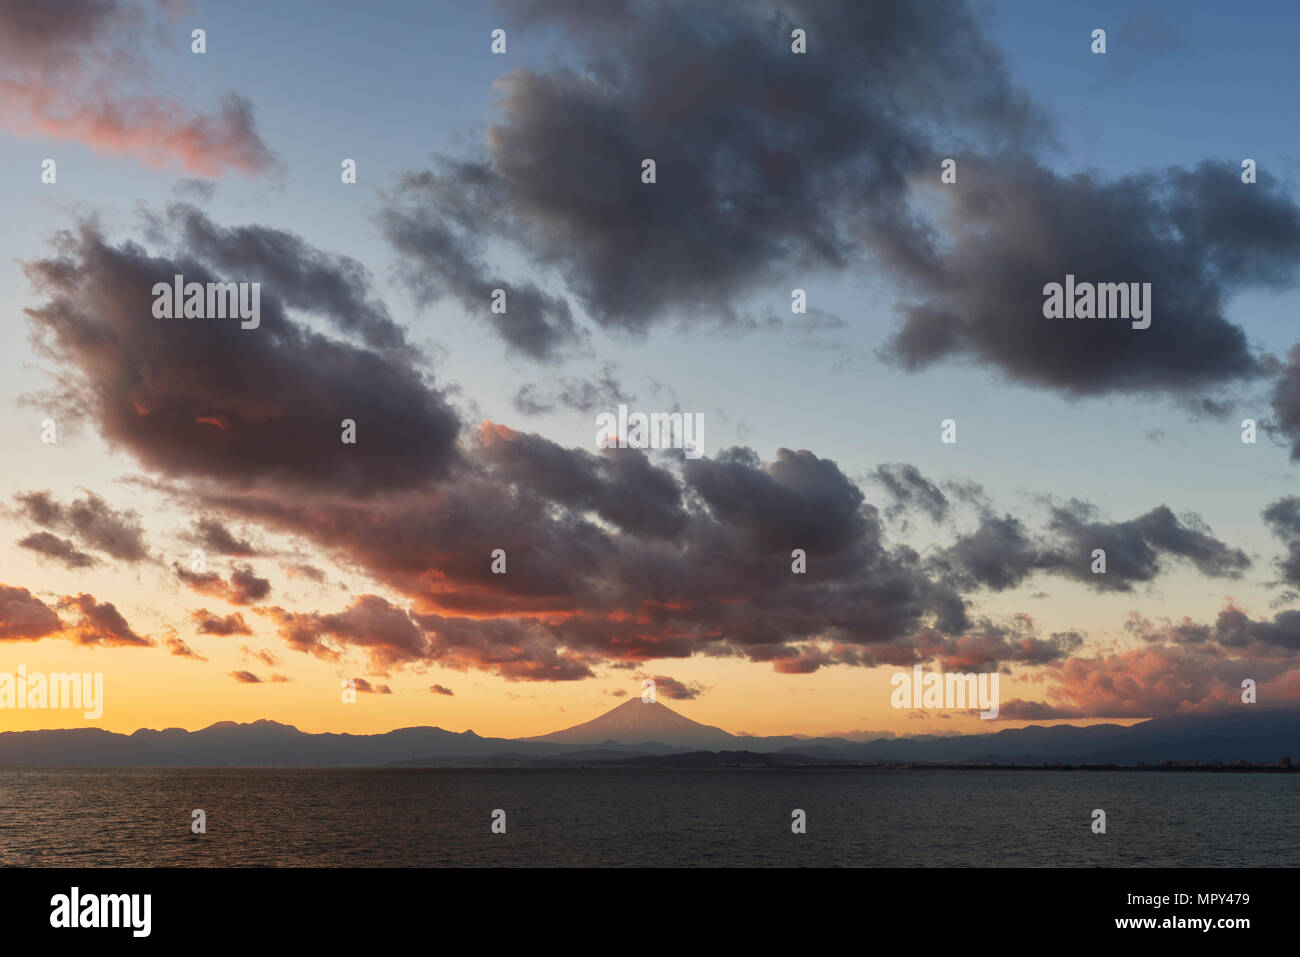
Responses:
[1249,734]
[259,743]
[642,722]
[642,732]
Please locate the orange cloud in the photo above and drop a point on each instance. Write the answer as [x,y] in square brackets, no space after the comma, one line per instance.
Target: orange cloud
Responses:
[66,72]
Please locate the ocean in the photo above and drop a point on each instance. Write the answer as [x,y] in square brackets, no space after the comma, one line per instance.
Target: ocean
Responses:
[426,817]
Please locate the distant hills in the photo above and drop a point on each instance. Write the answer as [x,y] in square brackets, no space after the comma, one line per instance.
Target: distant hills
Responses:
[259,743]
[638,733]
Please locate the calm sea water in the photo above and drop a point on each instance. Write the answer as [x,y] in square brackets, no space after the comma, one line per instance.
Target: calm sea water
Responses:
[437,817]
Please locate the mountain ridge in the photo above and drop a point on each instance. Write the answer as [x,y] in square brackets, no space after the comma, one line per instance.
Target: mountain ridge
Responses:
[1250,734]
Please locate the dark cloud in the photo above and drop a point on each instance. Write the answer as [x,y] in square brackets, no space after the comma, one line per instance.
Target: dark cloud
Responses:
[1233,632]
[60,549]
[206,623]
[1134,548]
[752,182]
[245,586]
[372,623]
[99,623]
[1001,553]
[24,617]
[300,275]
[436,222]
[441,689]
[207,398]
[622,488]
[517,649]
[93,522]
[1283,518]
[911,490]
[212,535]
[988,645]
[614,559]
[1196,235]
[1286,403]
[365,687]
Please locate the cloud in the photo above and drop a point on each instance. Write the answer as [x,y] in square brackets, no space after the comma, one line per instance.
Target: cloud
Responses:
[303,277]
[211,399]
[441,689]
[93,522]
[71,70]
[303,570]
[751,183]
[988,645]
[615,557]
[682,562]
[676,690]
[178,647]
[206,623]
[1283,519]
[385,631]
[99,623]
[626,490]
[434,222]
[1013,226]
[1144,683]
[604,391]
[1286,403]
[1232,633]
[213,536]
[1182,667]
[365,687]
[1001,553]
[24,617]
[911,490]
[1134,548]
[249,678]
[244,588]
[60,549]
[266,657]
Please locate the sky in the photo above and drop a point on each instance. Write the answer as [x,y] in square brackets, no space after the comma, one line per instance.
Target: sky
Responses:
[325,561]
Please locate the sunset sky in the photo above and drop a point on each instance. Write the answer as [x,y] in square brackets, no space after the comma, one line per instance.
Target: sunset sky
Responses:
[476,431]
